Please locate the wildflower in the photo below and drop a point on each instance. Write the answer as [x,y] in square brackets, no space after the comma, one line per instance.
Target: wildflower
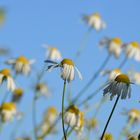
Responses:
[132,50]
[67,69]
[42,88]
[52,53]
[113,45]
[119,86]
[108,136]
[135,76]
[112,73]
[131,137]
[134,114]
[91,123]
[95,21]
[48,120]
[7,111]
[21,64]
[5,74]
[74,118]
[17,94]
[2,16]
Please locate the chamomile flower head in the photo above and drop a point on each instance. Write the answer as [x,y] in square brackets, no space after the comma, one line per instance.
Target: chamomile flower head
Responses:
[108,136]
[67,69]
[42,88]
[17,94]
[134,114]
[7,111]
[74,118]
[119,86]
[131,137]
[112,73]
[52,53]
[132,50]
[135,76]
[5,75]
[91,123]
[21,64]
[95,21]
[114,45]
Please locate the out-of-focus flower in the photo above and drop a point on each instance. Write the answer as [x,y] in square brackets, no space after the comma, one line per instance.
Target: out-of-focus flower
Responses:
[42,88]
[4,51]
[21,64]
[95,21]
[2,16]
[17,94]
[24,138]
[108,136]
[133,50]
[119,86]
[132,137]
[7,111]
[52,53]
[134,114]
[5,74]
[48,120]
[74,118]
[91,123]
[67,69]
[114,45]
[112,73]
[135,76]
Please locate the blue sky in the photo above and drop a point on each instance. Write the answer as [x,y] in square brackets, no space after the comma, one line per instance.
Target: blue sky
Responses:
[30,23]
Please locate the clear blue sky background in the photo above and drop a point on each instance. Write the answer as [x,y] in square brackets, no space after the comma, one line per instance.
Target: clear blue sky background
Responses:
[31,23]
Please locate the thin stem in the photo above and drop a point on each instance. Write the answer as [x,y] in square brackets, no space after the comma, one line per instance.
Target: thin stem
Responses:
[110,117]
[123,62]
[93,78]
[63,97]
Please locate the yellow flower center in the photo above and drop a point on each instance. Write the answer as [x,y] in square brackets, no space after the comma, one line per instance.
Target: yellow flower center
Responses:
[135,111]
[122,78]
[108,136]
[67,61]
[96,15]
[135,44]
[5,72]
[73,109]
[18,91]
[8,106]
[39,86]
[92,123]
[117,40]
[52,48]
[23,60]
[52,110]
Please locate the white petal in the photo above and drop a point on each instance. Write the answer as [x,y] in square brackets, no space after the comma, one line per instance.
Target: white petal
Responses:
[79,73]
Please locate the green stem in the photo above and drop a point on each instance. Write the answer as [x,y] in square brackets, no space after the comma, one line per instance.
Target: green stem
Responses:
[107,123]
[68,134]
[93,78]
[63,97]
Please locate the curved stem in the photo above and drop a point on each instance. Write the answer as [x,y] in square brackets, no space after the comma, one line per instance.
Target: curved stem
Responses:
[110,117]
[123,62]
[63,97]
[93,78]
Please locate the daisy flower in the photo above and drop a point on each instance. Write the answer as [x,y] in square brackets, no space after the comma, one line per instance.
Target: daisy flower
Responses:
[21,64]
[5,74]
[74,118]
[108,136]
[95,21]
[132,50]
[67,69]
[48,120]
[17,94]
[119,86]
[135,76]
[112,73]
[7,111]
[91,123]
[113,45]
[42,88]
[52,53]
[134,114]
